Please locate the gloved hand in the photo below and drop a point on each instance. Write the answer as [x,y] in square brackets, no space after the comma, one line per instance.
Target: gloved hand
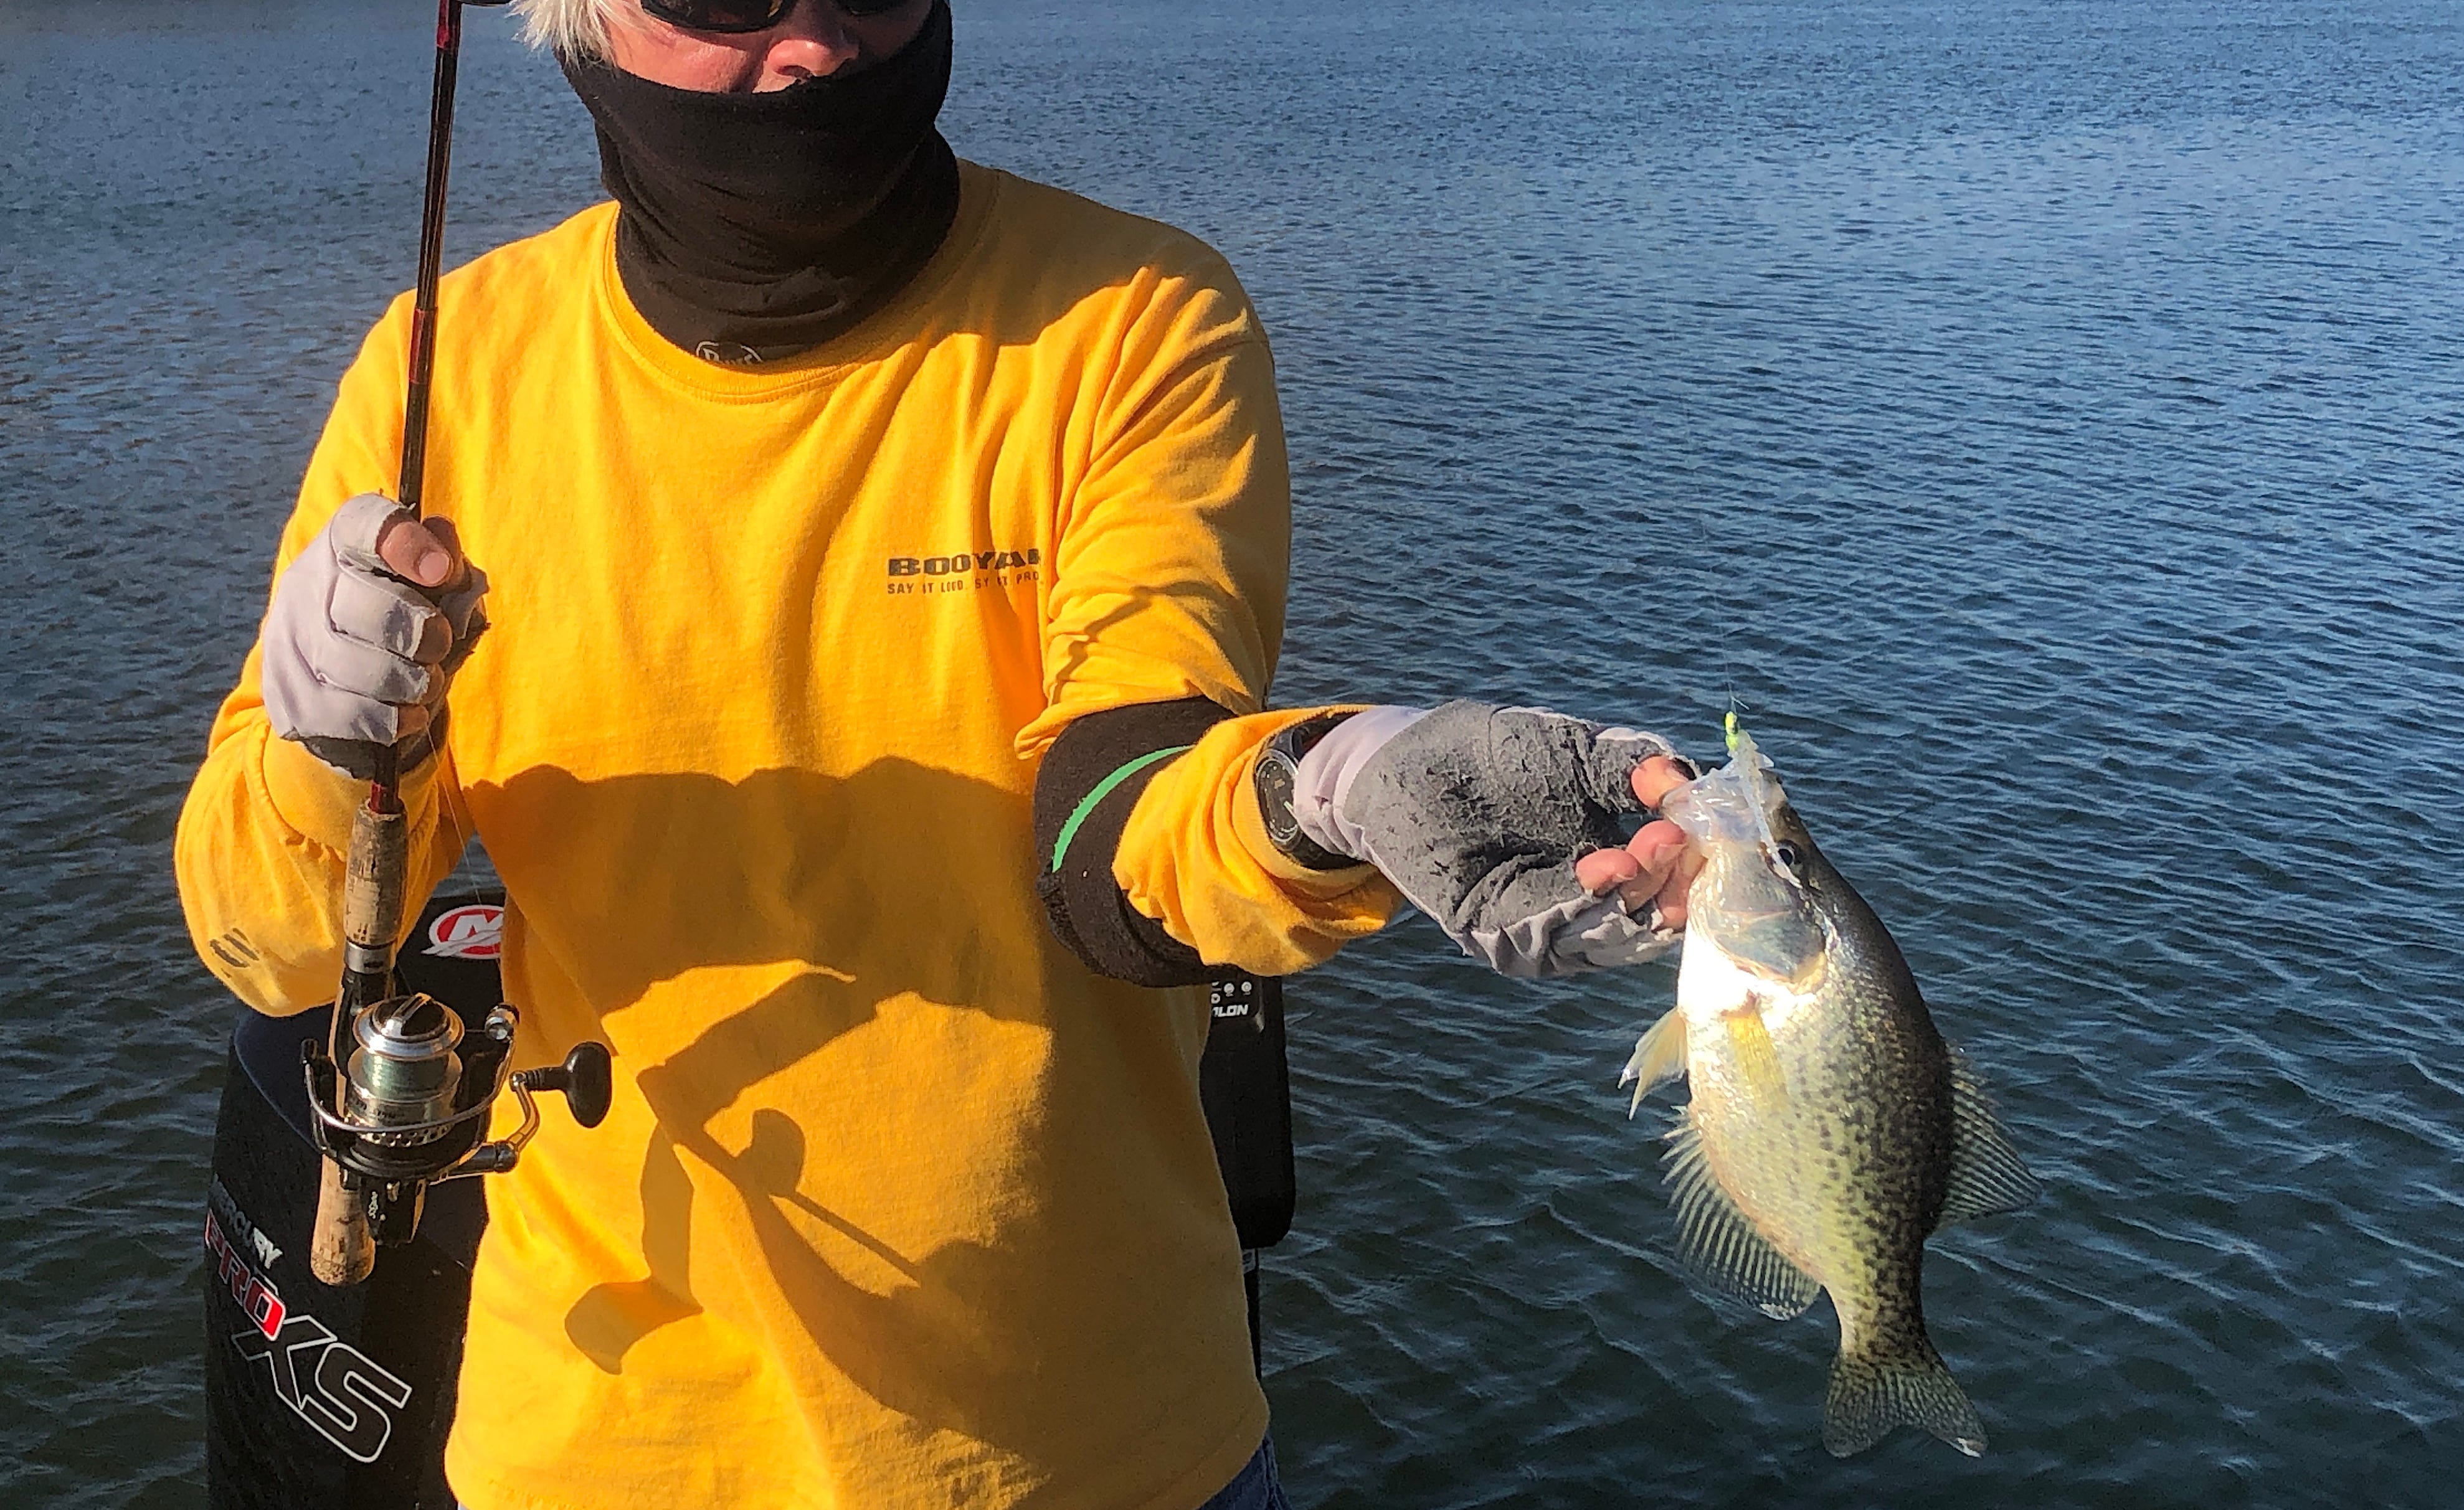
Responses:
[367,628]
[1506,826]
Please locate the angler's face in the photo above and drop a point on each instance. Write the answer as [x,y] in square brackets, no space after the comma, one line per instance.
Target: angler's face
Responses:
[813,40]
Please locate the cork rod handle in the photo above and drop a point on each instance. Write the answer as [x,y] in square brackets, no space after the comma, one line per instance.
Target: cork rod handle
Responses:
[341,1250]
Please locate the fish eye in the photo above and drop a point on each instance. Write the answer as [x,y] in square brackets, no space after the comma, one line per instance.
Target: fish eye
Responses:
[1785,854]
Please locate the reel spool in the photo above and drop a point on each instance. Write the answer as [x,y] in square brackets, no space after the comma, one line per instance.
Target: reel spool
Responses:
[415,1094]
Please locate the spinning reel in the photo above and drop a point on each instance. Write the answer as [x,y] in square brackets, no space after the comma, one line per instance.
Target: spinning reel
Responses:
[399,1095]
[414,1095]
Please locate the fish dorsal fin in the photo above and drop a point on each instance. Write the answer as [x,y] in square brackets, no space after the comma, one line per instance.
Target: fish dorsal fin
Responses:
[1716,1240]
[1659,1058]
[1986,1175]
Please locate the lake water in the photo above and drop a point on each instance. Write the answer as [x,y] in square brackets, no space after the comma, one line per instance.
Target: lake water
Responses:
[2046,420]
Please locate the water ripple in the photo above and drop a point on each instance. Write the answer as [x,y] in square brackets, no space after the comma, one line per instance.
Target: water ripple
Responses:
[2043,418]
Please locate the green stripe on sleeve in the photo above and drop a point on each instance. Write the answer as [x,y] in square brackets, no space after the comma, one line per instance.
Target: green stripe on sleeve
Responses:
[1104,789]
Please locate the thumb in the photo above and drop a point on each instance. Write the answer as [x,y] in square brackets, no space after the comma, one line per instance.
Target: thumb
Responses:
[422,552]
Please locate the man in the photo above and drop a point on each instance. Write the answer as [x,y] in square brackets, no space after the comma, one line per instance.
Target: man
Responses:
[859,574]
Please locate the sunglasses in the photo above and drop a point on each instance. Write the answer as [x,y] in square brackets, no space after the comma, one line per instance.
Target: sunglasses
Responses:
[748,15]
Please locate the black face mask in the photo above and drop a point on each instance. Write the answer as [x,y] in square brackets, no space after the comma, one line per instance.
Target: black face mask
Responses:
[755,225]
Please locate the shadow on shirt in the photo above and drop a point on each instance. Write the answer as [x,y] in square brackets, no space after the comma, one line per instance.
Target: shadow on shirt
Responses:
[902,885]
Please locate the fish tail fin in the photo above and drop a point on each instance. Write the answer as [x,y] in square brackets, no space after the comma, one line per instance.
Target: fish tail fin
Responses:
[1871,1393]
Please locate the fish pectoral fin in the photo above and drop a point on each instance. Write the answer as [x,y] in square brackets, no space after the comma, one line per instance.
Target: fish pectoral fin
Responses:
[1757,1057]
[1986,1175]
[1659,1058]
[1719,1242]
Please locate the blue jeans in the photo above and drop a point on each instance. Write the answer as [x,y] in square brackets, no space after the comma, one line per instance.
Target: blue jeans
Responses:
[1256,1487]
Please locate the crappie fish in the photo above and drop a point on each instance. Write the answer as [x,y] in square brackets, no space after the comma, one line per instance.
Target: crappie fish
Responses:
[1831,1130]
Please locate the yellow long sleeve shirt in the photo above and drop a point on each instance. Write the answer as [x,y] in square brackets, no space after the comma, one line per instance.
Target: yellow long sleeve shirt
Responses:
[898,1204]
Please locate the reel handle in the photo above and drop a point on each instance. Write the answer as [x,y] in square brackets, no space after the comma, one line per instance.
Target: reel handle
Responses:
[587,1078]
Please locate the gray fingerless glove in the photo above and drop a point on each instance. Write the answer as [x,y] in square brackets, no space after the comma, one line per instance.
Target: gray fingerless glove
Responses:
[1476,815]
[345,670]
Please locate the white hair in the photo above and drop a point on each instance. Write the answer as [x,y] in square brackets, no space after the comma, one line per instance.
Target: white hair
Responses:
[574,28]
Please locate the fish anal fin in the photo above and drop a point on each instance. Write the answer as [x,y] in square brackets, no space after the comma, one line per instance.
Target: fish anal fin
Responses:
[1986,1175]
[1659,1058]
[1717,1240]
[1869,1397]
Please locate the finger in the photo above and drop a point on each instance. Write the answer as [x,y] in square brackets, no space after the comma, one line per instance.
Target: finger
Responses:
[385,613]
[452,539]
[1675,889]
[1604,869]
[1657,777]
[1658,844]
[348,666]
[420,551]
[1669,897]
[1679,884]
[1659,852]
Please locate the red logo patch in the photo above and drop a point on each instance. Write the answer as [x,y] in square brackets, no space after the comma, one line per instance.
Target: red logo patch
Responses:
[476,932]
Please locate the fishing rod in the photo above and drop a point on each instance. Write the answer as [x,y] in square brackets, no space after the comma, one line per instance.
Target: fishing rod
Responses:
[400,1097]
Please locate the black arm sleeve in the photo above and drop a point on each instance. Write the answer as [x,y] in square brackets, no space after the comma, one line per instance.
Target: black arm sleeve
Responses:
[1087,910]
